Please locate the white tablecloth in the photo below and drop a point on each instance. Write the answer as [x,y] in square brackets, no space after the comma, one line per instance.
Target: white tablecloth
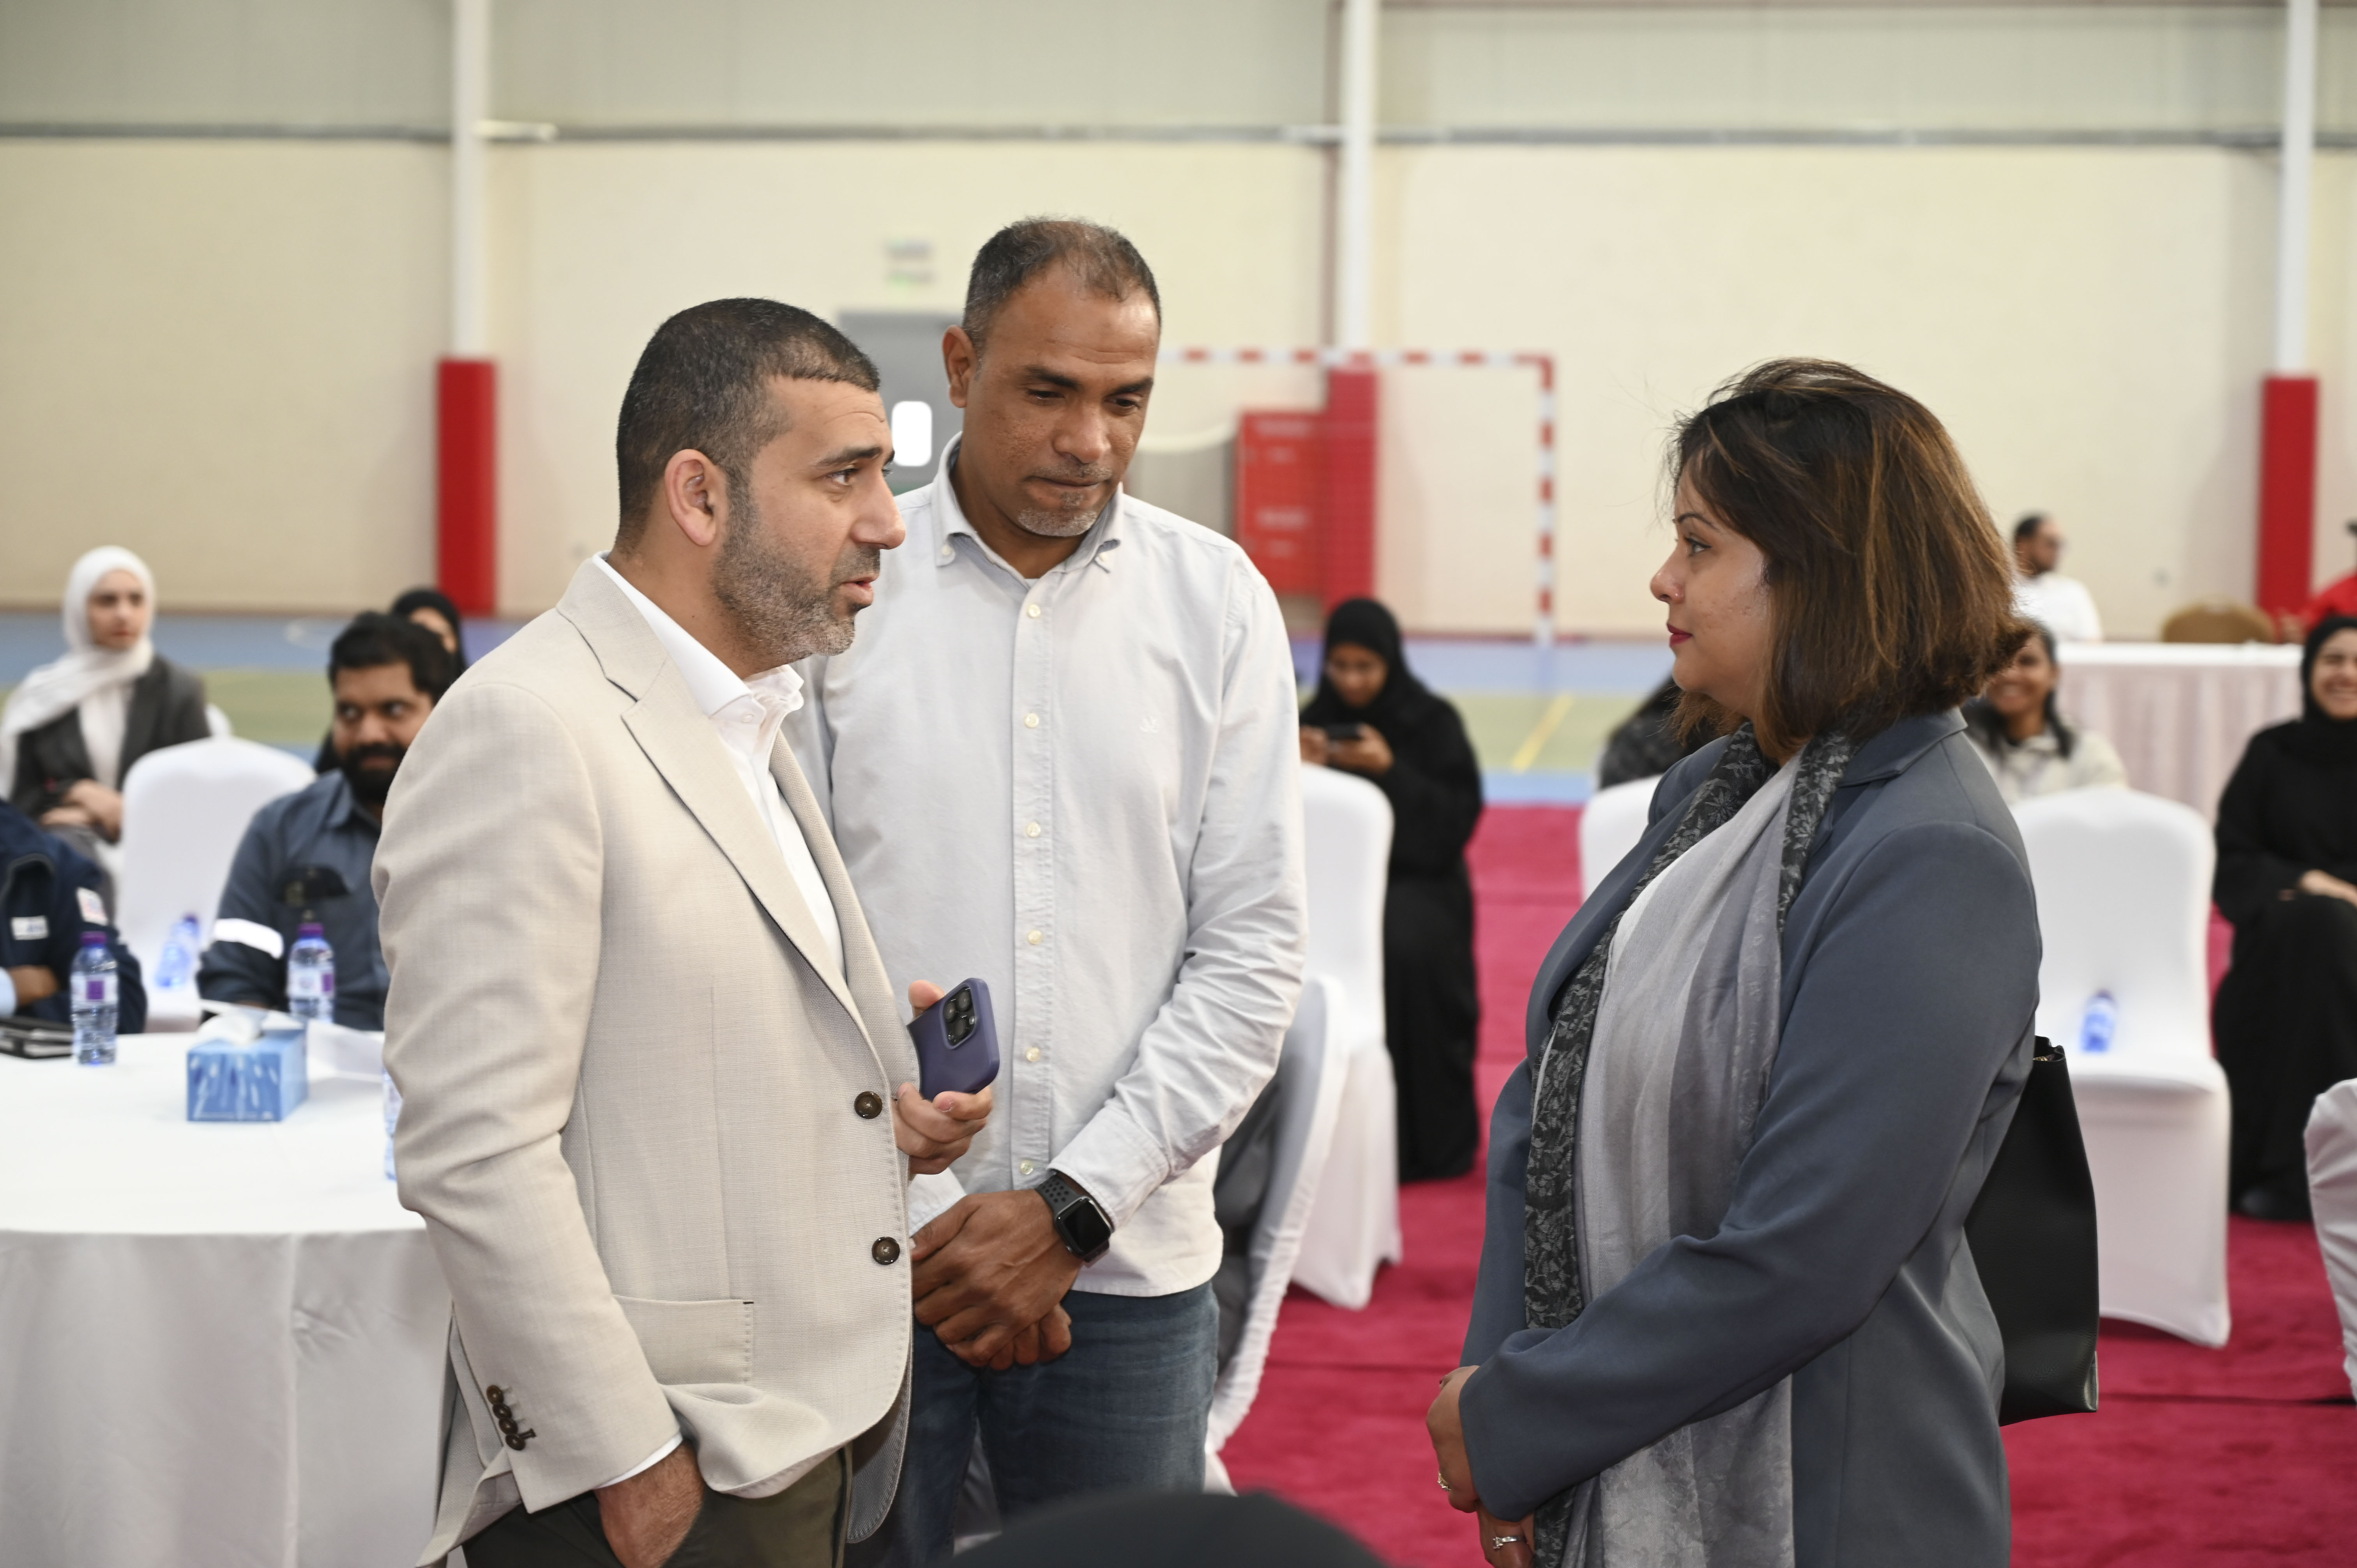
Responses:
[224,1342]
[2179,713]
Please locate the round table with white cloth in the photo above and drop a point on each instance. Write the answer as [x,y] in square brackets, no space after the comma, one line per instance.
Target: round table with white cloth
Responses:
[224,1341]
[2179,713]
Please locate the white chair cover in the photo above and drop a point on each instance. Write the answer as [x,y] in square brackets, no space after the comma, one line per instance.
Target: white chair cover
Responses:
[1353,1225]
[2332,1188]
[1312,1073]
[2123,883]
[185,809]
[1609,826]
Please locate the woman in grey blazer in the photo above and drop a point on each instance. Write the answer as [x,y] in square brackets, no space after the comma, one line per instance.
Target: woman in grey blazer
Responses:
[1727,1317]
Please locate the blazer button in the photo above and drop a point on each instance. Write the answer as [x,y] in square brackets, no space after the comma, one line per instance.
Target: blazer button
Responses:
[885,1251]
[870,1105]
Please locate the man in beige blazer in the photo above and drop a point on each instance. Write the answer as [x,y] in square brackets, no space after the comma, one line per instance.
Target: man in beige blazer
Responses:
[645,1043]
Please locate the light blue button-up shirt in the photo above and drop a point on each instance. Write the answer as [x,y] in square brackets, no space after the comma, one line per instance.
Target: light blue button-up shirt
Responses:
[1084,788]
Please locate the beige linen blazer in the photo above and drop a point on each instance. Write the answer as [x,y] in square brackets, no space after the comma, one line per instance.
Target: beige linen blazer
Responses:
[635,1116]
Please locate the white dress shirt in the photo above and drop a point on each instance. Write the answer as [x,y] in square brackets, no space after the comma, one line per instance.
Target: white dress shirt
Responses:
[2060,604]
[746,716]
[1084,788]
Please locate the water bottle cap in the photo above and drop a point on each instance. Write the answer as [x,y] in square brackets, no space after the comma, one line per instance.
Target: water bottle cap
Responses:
[94,939]
[310,928]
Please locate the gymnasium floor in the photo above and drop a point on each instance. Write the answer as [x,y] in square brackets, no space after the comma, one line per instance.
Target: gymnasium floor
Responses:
[1537,716]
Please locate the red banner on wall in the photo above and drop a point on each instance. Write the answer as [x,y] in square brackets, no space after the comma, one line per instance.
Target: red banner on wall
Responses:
[2287,493]
[467,528]
[1346,541]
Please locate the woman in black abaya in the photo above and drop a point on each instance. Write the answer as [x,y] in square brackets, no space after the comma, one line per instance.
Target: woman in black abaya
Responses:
[1374,718]
[2286,1018]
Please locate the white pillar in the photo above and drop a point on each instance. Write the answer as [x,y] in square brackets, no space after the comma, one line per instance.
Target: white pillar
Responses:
[1355,194]
[471,66]
[2298,158]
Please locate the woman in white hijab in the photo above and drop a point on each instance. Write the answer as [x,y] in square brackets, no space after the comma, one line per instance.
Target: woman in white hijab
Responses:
[76,725]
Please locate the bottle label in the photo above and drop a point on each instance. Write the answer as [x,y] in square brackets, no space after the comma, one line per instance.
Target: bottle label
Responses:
[307,984]
[98,990]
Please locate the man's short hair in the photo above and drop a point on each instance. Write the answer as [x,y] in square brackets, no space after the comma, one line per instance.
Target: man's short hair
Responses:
[1103,259]
[374,641]
[2031,522]
[702,383]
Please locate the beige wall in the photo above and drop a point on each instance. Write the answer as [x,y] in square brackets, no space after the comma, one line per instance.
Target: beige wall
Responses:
[2091,325]
[220,352]
[597,244]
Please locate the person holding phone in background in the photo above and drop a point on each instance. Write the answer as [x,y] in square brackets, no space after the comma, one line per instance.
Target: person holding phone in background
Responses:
[1372,716]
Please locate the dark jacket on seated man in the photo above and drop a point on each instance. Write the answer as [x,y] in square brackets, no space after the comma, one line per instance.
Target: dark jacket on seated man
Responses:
[167,707]
[304,857]
[307,857]
[49,898]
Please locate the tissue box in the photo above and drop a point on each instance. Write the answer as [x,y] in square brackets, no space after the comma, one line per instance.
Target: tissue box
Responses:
[258,1081]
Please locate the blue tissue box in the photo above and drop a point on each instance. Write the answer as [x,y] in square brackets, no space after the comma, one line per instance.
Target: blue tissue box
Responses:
[263,1081]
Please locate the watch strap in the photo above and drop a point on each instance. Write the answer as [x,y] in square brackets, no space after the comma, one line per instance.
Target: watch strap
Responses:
[1062,1198]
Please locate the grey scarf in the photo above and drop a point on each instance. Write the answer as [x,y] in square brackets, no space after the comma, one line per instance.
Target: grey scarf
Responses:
[1699,1003]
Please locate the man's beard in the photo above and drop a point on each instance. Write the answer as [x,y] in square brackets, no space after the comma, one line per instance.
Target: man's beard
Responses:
[369,786]
[1058,523]
[780,605]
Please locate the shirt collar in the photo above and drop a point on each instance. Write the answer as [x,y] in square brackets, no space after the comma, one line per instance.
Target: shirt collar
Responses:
[711,682]
[1096,548]
[344,807]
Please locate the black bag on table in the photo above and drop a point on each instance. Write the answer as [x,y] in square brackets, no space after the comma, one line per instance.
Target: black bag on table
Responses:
[2033,1232]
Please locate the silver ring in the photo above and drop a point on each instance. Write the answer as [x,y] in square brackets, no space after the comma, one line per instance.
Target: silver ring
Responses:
[1498,1541]
[1444,1480]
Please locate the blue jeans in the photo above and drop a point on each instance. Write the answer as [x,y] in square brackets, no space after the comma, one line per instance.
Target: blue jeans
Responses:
[1125,1408]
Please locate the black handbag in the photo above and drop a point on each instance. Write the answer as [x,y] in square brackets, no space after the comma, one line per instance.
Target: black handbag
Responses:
[2033,1232]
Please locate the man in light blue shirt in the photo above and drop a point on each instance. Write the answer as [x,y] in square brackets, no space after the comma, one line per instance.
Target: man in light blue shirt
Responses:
[1062,759]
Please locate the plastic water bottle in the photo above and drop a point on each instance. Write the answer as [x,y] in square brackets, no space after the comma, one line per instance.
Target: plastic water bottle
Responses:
[92,1000]
[311,975]
[177,964]
[391,1121]
[2099,1023]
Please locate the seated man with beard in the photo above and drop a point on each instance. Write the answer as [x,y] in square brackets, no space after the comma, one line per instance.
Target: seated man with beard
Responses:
[307,856]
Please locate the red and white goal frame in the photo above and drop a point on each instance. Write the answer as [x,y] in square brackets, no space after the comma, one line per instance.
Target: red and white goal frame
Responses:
[1543,623]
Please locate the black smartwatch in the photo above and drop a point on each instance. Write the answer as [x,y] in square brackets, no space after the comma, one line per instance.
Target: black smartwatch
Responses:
[1080,1224]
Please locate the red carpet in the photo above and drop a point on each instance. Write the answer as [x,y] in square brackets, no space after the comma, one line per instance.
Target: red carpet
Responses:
[2234,1456]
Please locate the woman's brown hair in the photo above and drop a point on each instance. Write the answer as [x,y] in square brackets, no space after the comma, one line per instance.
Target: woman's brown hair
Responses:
[1890,593]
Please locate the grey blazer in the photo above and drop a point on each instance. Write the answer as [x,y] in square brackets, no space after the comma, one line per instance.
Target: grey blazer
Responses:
[1911,977]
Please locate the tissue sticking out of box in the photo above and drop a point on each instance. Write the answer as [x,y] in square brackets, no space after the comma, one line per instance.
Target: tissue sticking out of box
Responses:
[248,1069]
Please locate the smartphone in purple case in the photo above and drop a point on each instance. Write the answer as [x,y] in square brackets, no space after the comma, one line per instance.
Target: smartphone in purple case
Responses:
[957,1042]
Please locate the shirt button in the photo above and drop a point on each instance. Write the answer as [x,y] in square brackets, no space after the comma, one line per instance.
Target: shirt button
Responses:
[1034,937]
[1024,1166]
[1030,830]
[885,1251]
[948,553]
[1030,721]
[1031,611]
[1032,1054]
[870,1105]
